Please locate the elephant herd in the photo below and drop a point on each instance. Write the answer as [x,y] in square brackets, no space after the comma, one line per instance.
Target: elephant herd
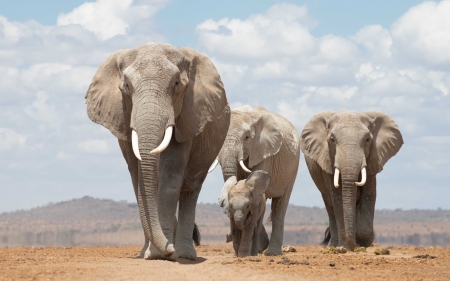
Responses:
[168,108]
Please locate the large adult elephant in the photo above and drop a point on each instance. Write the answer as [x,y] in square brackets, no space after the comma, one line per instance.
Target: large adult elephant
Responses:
[260,140]
[344,151]
[167,107]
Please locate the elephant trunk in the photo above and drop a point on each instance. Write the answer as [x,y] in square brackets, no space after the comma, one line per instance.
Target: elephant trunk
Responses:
[229,159]
[350,169]
[239,220]
[150,122]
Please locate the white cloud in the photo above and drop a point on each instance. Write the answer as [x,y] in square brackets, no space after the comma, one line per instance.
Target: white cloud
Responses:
[94,146]
[108,18]
[40,109]
[10,139]
[422,35]
[377,41]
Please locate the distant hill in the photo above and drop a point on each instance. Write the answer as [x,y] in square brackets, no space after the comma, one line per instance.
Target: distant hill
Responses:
[91,221]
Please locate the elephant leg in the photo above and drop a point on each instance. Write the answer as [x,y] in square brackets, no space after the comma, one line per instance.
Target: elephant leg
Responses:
[337,208]
[364,227]
[279,207]
[263,241]
[334,240]
[186,220]
[256,236]
[172,166]
[246,240]
[132,163]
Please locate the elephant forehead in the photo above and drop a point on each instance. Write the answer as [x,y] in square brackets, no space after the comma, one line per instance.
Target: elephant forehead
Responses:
[154,65]
[240,122]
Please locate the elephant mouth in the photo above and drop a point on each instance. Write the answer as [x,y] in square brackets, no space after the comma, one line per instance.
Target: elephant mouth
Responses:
[361,183]
[163,145]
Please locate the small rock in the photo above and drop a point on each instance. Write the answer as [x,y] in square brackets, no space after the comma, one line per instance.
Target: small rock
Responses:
[287,249]
[271,260]
[332,264]
[352,268]
[382,251]
[329,250]
[360,250]
[304,262]
[341,250]
[426,256]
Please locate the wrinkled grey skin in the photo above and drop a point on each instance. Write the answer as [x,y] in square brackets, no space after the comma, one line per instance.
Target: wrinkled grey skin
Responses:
[268,142]
[245,204]
[349,141]
[147,89]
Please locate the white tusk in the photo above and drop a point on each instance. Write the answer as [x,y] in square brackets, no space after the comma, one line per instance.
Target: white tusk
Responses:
[243,166]
[336,177]
[363,178]
[165,142]
[213,166]
[135,144]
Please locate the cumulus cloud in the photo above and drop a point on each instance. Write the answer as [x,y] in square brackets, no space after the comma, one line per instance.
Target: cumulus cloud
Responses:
[422,35]
[108,18]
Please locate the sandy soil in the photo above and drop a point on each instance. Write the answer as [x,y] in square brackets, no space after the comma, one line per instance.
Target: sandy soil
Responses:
[218,263]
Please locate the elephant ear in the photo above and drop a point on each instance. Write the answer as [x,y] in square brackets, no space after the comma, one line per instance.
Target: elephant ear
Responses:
[205,99]
[223,198]
[268,138]
[387,141]
[105,103]
[314,140]
[258,181]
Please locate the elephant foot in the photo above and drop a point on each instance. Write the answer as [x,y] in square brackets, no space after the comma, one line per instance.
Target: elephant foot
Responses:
[144,249]
[273,251]
[187,252]
[154,254]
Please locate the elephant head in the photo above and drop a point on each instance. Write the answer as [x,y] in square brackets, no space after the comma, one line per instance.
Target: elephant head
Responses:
[351,146]
[253,136]
[151,95]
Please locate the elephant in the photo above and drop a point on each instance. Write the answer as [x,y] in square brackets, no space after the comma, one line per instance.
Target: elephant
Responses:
[245,203]
[264,141]
[168,108]
[344,151]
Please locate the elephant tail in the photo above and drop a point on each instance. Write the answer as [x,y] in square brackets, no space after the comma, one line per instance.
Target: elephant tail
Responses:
[327,238]
[196,235]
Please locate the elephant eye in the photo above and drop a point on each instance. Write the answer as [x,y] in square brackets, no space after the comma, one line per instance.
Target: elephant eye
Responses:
[176,83]
[332,139]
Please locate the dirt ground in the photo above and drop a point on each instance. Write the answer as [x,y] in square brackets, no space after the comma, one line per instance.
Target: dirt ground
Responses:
[218,263]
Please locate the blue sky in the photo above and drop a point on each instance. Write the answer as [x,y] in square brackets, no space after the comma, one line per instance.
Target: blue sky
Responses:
[390,56]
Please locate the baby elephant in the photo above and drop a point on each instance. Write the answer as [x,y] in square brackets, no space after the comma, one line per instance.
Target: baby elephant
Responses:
[244,202]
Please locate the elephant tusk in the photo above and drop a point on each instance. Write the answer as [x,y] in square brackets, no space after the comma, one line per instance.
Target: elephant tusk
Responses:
[363,178]
[135,145]
[336,177]
[243,166]
[213,166]
[165,142]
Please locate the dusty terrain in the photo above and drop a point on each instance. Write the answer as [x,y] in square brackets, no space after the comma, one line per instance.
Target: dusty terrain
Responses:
[218,263]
